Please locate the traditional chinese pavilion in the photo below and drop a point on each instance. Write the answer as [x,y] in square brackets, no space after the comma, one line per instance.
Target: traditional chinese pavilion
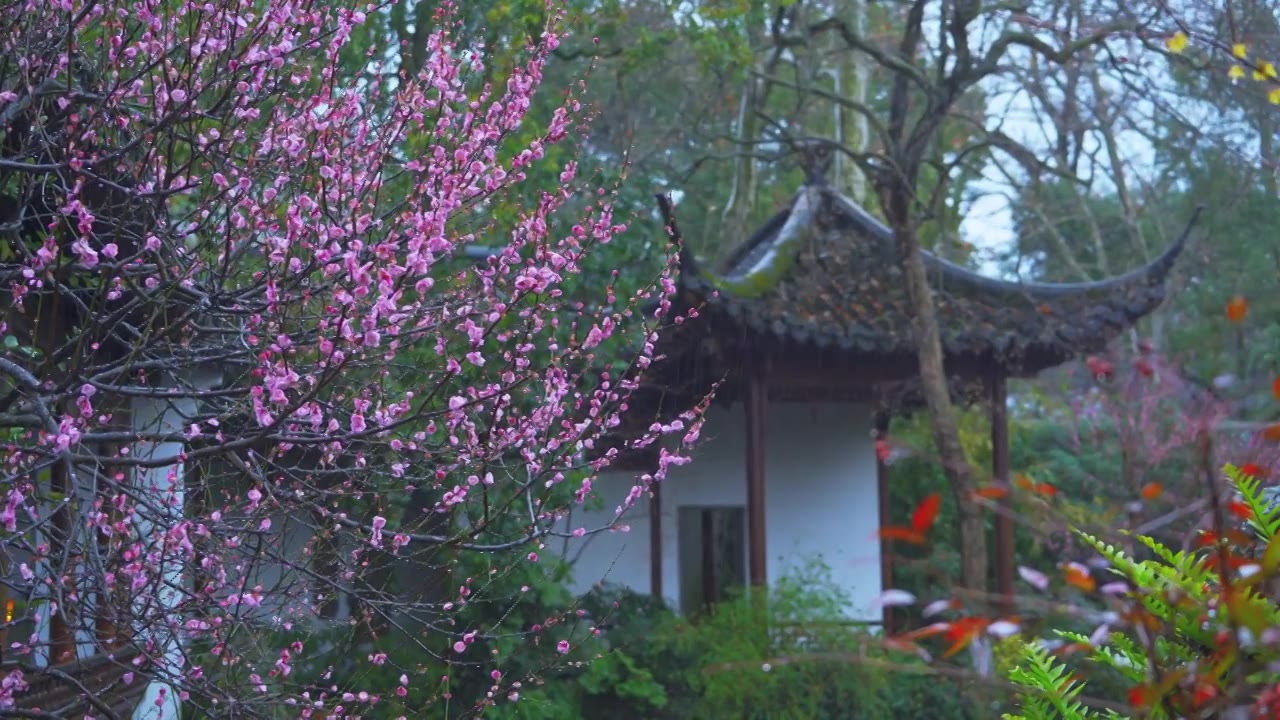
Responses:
[809,326]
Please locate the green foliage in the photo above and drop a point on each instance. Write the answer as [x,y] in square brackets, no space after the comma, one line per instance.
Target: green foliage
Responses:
[1185,634]
[1051,692]
[796,660]
[799,659]
[1264,512]
[618,674]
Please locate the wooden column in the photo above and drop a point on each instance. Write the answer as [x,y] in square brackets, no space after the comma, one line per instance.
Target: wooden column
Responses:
[62,641]
[111,626]
[105,612]
[1000,470]
[655,540]
[756,407]
[5,613]
[882,499]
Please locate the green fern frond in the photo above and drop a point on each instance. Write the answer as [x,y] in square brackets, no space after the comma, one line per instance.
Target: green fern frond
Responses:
[1051,692]
[1073,637]
[1266,513]
[1190,571]
[1126,664]
[1119,653]
[1180,574]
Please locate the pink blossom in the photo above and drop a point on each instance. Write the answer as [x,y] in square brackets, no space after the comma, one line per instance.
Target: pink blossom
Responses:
[12,683]
[295,322]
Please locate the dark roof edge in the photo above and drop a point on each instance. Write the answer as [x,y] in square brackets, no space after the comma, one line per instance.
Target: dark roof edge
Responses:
[1153,272]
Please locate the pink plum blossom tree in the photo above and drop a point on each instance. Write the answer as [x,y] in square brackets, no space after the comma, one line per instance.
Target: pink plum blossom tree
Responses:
[253,385]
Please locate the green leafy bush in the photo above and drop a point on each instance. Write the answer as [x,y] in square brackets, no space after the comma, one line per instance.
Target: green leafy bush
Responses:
[794,657]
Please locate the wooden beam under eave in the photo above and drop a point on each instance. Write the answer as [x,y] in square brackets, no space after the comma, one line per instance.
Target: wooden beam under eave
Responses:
[1000,471]
[757,404]
[800,373]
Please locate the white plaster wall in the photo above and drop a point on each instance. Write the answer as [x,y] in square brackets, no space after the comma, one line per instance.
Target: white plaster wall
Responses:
[165,485]
[820,487]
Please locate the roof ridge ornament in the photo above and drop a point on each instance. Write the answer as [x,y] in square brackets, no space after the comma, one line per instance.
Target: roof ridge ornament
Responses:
[816,157]
[771,253]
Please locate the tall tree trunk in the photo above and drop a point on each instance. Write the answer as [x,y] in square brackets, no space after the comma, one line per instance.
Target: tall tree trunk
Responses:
[946,430]
[897,187]
[742,189]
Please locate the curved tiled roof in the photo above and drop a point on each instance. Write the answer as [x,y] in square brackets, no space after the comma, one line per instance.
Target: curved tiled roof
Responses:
[825,274]
[63,691]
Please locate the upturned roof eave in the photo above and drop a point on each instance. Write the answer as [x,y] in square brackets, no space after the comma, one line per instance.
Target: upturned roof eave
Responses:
[1114,303]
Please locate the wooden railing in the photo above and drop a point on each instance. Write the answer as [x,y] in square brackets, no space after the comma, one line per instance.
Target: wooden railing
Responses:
[83,687]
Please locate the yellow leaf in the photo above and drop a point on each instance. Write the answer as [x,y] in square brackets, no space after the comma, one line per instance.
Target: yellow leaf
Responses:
[1271,558]
[1177,43]
[1236,72]
[1240,51]
[1274,96]
[1269,71]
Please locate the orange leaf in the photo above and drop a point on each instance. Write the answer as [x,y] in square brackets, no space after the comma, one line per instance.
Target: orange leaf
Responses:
[1240,510]
[926,631]
[901,645]
[1024,482]
[926,513]
[957,646]
[1141,617]
[1239,538]
[1275,388]
[965,626]
[896,532]
[1254,470]
[991,492]
[962,632]
[1205,691]
[1046,489]
[1151,490]
[1213,561]
[1237,309]
[1078,576]
[1271,433]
